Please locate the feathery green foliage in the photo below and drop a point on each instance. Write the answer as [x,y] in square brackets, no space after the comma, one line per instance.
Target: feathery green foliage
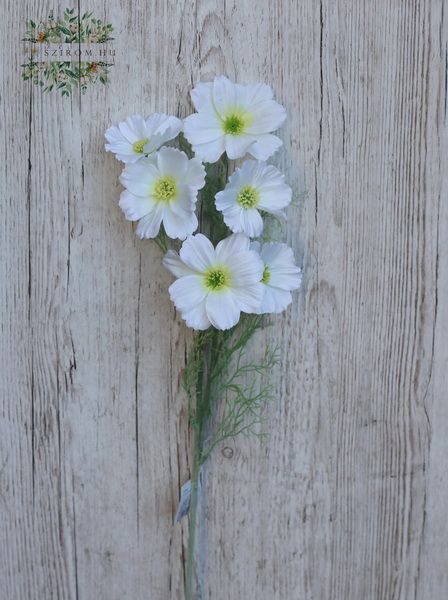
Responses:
[223,385]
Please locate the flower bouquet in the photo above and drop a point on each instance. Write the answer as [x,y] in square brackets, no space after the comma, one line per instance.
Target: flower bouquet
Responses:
[217,231]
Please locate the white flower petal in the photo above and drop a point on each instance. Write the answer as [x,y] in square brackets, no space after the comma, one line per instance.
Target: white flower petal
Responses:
[250,95]
[151,146]
[223,95]
[267,116]
[286,280]
[179,227]
[195,176]
[251,222]
[161,128]
[138,177]
[174,264]
[133,128]
[238,145]
[145,164]
[277,254]
[158,122]
[197,317]
[275,197]
[255,246]
[222,309]
[198,253]
[114,136]
[251,172]
[166,127]
[232,218]
[247,268]
[211,151]
[172,162]
[184,203]
[226,199]
[149,225]
[284,273]
[265,146]
[250,297]
[234,244]
[122,155]
[274,301]
[119,147]
[201,96]
[187,292]
[201,128]
[135,207]
[265,175]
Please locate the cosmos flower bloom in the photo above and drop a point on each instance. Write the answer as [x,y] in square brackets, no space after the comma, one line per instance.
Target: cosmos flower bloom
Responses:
[215,285]
[253,187]
[280,276]
[163,189]
[233,118]
[137,137]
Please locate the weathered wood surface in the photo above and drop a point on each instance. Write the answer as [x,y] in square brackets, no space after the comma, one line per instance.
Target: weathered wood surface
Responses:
[347,499]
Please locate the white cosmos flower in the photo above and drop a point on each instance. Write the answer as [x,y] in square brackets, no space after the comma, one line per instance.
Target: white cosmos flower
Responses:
[137,137]
[235,119]
[253,187]
[215,285]
[162,189]
[280,276]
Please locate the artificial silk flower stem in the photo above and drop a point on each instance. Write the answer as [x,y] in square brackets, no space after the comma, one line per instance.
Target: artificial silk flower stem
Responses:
[196,421]
[190,567]
[215,366]
[200,420]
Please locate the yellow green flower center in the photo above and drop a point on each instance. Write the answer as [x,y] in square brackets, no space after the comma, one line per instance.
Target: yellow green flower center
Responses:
[216,278]
[266,275]
[139,146]
[248,197]
[165,189]
[233,124]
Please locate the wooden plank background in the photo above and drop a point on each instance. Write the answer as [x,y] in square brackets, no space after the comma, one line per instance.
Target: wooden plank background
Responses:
[347,499]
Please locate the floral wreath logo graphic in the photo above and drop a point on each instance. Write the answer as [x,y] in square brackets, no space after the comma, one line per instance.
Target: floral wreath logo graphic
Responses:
[54,38]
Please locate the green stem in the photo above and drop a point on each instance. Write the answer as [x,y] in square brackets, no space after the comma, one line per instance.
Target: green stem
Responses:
[217,175]
[213,369]
[190,568]
[204,399]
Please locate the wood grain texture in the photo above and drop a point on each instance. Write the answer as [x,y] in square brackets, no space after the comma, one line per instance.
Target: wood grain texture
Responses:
[347,499]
